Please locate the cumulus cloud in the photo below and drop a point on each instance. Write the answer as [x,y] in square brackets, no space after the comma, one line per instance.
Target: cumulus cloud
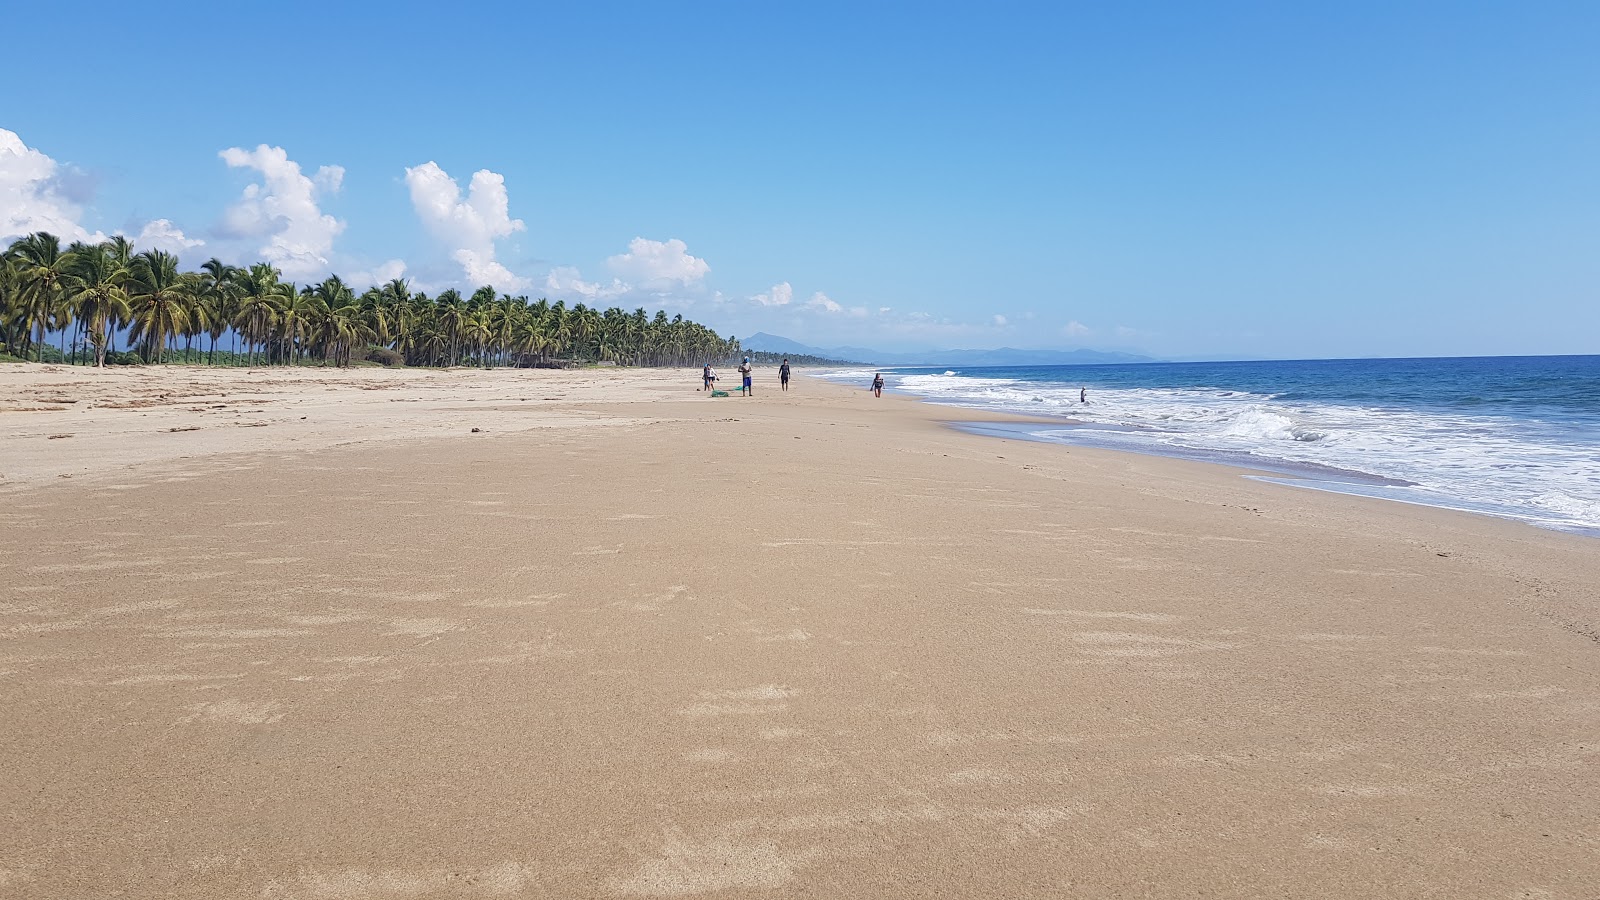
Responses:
[659,265]
[778,295]
[821,302]
[34,195]
[1075,329]
[283,210]
[1000,321]
[467,226]
[161,234]
[382,273]
[566,282]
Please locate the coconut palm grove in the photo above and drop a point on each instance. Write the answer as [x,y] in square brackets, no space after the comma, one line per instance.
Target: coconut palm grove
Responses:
[103,303]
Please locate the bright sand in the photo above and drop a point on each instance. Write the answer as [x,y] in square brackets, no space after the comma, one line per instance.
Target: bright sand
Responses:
[629,640]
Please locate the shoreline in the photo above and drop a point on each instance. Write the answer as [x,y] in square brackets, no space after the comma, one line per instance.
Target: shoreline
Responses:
[1304,477]
[1336,476]
[637,642]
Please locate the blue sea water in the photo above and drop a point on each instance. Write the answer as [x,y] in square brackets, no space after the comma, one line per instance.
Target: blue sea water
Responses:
[1517,437]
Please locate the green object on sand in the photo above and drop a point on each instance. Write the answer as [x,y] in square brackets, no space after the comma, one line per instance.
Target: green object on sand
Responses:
[719,393]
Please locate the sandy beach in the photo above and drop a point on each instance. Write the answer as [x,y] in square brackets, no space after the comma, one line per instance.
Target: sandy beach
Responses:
[410,634]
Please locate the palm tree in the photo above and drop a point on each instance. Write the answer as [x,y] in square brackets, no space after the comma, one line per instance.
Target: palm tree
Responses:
[10,303]
[336,303]
[218,295]
[95,289]
[40,266]
[94,285]
[260,299]
[451,317]
[160,296]
[395,299]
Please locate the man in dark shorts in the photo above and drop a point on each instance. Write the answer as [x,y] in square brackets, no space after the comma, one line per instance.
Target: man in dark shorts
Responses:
[745,369]
[783,374]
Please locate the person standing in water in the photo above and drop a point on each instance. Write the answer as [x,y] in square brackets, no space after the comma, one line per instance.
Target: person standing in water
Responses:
[783,374]
[745,370]
[1083,395]
[877,385]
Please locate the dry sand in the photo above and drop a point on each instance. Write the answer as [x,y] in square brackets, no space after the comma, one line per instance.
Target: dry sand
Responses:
[631,641]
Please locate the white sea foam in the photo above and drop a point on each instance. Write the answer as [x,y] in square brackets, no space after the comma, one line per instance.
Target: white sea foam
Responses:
[1515,468]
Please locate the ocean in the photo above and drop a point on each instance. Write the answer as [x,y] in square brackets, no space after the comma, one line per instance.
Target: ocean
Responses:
[1516,437]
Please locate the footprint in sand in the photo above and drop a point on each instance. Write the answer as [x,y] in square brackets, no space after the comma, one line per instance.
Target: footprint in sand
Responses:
[687,866]
[1123,644]
[236,712]
[759,700]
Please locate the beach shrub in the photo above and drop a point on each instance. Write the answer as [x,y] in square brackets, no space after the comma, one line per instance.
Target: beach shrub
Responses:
[385,356]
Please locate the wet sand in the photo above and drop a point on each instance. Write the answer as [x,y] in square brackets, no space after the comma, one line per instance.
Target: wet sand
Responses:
[630,641]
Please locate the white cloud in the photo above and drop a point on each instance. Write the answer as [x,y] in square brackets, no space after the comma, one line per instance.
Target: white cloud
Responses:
[468,227]
[377,275]
[1075,329]
[1000,321]
[32,197]
[566,282]
[659,265]
[161,234]
[283,211]
[778,295]
[820,301]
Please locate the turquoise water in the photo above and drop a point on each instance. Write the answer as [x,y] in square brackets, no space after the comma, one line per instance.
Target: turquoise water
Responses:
[1517,437]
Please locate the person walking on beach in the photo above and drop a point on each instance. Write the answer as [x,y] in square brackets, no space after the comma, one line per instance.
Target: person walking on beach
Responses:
[783,374]
[877,385]
[705,375]
[711,378]
[745,370]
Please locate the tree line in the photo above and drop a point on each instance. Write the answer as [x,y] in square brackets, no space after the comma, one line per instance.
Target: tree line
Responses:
[769,357]
[87,295]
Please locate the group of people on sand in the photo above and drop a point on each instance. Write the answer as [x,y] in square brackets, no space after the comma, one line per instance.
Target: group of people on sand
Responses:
[708,378]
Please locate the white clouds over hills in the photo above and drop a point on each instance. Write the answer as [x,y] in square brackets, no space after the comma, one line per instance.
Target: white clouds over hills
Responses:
[780,294]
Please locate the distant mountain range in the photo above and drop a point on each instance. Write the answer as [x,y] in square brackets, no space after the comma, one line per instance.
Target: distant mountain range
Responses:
[1004,356]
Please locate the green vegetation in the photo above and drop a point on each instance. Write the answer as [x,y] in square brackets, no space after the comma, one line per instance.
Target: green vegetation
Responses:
[765,357]
[88,294]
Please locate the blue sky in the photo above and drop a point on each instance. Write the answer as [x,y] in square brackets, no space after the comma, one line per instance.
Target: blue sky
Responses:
[1185,179]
